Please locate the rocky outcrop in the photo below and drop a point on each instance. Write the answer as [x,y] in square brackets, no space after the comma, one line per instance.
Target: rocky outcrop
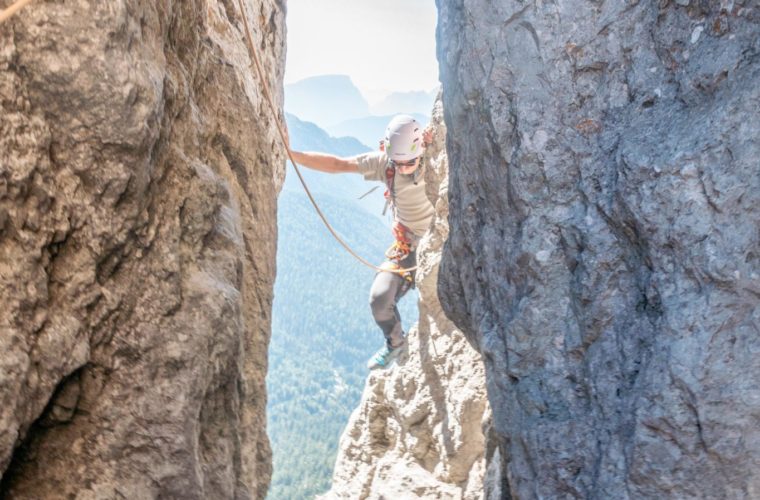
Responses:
[419,427]
[603,255]
[138,174]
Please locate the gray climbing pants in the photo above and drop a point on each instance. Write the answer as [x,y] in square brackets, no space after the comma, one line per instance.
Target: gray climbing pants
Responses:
[386,291]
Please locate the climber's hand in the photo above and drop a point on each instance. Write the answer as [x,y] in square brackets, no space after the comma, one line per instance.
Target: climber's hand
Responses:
[427,136]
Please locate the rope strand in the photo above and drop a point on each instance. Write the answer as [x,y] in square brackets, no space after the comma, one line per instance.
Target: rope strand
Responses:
[267,95]
[15,7]
[20,4]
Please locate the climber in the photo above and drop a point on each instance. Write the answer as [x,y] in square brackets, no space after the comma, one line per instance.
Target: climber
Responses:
[399,164]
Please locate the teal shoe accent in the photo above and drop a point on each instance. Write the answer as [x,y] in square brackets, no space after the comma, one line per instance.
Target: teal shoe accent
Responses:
[384,357]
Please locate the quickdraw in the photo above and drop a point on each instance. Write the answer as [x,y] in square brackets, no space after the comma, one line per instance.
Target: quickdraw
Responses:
[398,251]
[404,244]
[393,267]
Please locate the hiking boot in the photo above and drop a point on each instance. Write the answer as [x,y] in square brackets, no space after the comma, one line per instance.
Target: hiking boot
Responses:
[384,357]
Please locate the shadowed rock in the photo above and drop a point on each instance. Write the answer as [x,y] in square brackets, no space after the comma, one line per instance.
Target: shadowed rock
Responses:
[138,174]
[603,255]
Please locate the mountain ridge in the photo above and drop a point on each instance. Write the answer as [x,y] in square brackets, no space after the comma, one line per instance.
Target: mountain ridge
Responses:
[325,100]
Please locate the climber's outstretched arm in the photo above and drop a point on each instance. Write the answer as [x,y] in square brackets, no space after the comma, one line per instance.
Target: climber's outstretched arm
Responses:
[326,162]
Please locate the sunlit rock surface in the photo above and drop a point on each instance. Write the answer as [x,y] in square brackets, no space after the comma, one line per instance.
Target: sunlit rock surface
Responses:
[138,175]
[418,431]
[605,234]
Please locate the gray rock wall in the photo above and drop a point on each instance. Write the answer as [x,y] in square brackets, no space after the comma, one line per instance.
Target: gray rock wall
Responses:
[604,253]
[138,174]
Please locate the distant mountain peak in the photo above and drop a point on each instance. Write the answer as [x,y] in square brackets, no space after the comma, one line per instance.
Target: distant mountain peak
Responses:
[324,78]
[325,100]
[369,129]
[415,101]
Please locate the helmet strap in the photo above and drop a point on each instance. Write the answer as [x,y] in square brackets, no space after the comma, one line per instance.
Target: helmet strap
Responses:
[418,171]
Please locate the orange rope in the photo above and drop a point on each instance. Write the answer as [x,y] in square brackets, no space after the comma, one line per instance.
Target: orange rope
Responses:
[18,5]
[267,94]
[15,7]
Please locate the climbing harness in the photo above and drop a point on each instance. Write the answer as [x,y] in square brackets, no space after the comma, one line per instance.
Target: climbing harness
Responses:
[405,244]
[267,94]
[19,4]
[15,7]
[408,276]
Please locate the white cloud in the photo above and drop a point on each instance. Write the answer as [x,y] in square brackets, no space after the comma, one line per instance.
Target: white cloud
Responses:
[383,46]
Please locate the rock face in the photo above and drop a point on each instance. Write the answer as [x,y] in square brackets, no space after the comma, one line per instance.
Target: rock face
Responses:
[419,427]
[138,175]
[605,234]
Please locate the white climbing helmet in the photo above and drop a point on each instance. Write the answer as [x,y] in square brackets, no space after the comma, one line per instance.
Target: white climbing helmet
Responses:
[403,138]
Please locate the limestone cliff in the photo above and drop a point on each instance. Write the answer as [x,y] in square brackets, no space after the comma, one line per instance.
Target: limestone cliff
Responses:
[419,427]
[605,227]
[138,174]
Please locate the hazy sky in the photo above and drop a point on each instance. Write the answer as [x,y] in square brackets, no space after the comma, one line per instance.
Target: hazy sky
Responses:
[383,45]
